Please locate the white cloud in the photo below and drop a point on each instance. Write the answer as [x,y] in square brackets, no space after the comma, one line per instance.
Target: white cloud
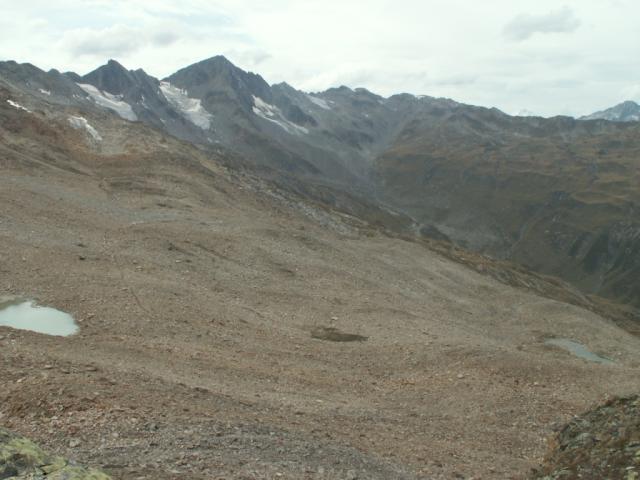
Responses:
[632,92]
[524,26]
[115,41]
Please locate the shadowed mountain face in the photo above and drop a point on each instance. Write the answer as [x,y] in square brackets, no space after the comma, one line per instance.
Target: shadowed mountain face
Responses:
[556,195]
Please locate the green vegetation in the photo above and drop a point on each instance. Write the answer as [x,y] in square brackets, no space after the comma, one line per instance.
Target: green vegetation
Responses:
[21,459]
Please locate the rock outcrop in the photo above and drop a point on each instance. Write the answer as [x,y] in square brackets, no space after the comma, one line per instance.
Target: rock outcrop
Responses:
[603,443]
[21,459]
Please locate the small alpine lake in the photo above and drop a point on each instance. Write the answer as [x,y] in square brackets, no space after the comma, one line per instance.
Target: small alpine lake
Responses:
[26,315]
[578,350]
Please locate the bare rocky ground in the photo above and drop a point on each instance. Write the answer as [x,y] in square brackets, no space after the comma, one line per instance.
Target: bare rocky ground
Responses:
[200,294]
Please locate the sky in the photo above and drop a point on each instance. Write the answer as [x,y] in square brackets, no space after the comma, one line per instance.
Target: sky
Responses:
[544,57]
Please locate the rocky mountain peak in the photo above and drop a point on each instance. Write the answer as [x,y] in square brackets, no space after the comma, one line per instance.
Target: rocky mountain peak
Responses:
[628,111]
[217,62]
[111,77]
[219,77]
[285,87]
[364,92]
[215,67]
[114,64]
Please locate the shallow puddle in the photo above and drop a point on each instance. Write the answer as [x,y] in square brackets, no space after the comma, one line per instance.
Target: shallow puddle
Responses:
[578,350]
[28,316]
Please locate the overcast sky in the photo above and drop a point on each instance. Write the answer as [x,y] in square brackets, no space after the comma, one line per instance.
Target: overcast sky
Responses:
[544,56]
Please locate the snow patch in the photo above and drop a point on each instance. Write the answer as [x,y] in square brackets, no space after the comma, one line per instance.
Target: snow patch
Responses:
[112,102]
[80,123]
[191,108]
[44,92]
[18,106]
[273,114]
[319,102]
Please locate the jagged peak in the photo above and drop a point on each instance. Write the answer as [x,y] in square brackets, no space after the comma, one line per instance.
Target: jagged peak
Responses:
[111,77]
[114,63]
[219,60]
[342,89]
[111,65]
[221,71]
[216,63]
[285,87]
[364,91]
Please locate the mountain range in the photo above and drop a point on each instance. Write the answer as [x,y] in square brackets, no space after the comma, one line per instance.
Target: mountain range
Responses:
[557,195]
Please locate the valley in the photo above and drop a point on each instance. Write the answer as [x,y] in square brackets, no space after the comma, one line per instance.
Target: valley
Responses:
[259,306]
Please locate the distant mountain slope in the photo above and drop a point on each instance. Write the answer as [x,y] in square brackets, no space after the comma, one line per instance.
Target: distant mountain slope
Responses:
[559,195]
[625,112]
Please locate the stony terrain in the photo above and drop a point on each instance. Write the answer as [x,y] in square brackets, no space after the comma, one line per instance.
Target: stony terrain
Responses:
[601,444]
[216,313]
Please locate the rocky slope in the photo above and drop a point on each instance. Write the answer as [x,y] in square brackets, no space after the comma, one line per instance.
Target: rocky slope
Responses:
[214,306]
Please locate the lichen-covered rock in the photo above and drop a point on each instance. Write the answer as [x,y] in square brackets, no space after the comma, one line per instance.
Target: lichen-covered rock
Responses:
[602,444]
[21,459]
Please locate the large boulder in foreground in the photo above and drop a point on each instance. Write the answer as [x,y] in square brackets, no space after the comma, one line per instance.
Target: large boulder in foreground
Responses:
[21,459]
[602,444]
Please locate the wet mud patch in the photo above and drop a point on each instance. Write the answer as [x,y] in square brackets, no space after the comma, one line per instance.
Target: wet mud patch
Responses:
[332,334]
